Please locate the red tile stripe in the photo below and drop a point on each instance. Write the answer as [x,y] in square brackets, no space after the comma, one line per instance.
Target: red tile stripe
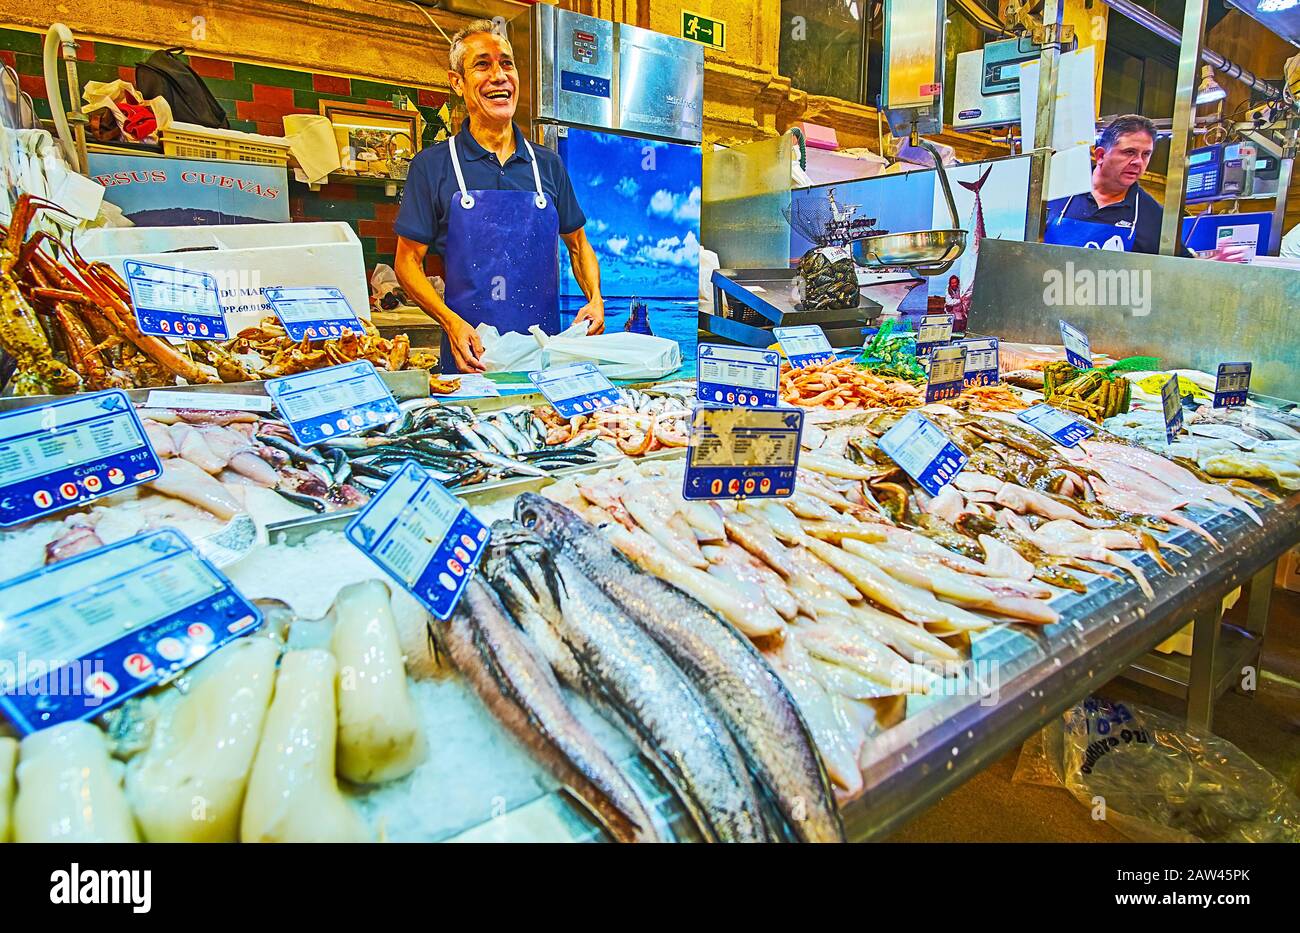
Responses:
[332,84]
[213,67]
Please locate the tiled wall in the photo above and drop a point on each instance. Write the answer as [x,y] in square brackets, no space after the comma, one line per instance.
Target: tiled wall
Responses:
[255,98]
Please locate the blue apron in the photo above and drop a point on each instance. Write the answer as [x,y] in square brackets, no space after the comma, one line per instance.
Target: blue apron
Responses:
[1066,231]
[501,260]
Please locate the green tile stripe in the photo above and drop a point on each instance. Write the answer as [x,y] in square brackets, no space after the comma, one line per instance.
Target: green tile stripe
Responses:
[279,77]
[19,41]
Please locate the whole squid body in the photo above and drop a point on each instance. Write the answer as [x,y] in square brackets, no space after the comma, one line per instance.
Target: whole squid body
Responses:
[597,650]
[759,711]
[502,665]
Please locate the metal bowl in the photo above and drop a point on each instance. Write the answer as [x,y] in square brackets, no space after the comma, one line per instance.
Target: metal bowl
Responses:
[929,252]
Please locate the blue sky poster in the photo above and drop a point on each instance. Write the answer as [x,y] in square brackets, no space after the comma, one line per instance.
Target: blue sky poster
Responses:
[156,192]
[642,201]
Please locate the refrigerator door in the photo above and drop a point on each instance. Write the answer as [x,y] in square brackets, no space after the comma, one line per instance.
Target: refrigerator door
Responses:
[575,68]
[660,85]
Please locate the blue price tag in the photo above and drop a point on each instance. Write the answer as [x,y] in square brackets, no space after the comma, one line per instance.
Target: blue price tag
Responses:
[981,360]
[314,313]
[1172,403]
[933,331]
[1060,426]
[578,389]
[947,373]
[82,635]
[737,375]
[1232,386]
[924,452]
[805,345]
[742,453]
[422,536]
[173,302]
[1077,349]
[71,451]
[333,402]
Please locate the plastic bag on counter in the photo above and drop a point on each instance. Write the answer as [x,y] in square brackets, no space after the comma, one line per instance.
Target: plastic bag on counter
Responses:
[620,355]
[1159,781]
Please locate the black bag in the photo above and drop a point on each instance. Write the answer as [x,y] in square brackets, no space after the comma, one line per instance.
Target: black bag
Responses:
[165,74]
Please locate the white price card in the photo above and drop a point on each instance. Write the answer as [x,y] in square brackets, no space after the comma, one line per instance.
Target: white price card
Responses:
[578,389]
[737,375]
[1060,426]
[1078,351]
[171,302]
[316,313]
[805,345]
[333,402]
[924,452]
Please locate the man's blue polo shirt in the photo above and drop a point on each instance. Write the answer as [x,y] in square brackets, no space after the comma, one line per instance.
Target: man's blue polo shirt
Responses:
[1138,214]
[431,184]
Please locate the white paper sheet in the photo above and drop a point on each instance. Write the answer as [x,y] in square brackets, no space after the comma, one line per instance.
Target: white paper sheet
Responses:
[1073,127]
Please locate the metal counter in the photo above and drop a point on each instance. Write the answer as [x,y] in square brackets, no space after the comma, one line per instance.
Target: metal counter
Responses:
[1039,673]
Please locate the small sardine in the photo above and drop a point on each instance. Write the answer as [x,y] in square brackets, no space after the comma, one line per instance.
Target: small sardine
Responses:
[506,463]
[496,437]
[300,455]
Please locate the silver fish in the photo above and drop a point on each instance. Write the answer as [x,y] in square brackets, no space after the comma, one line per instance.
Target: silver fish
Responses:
[596,649]
[518,440]
[496,437]
[470,437]
[755,704]
[507,463]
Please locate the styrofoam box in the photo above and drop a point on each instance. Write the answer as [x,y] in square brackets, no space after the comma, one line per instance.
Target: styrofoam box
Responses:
[245,258]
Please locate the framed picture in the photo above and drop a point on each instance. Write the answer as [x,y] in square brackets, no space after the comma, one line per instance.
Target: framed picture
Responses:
[373,140]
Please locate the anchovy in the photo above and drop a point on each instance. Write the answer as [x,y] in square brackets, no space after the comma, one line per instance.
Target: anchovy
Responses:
[507,463]
[339,466]
[488,648]
[755,704]
[495,436]
[299,454]
[517,438]
[470,437]
[596,649]
[299,498]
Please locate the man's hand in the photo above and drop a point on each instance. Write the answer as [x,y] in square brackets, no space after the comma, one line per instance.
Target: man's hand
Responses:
[1229,254]
[594,313]
[466,347]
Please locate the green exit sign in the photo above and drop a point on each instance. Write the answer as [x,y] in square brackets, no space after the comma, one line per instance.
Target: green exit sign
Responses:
[701,29]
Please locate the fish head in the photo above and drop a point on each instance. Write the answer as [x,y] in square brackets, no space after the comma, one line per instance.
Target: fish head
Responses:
[545,517]
[520,567]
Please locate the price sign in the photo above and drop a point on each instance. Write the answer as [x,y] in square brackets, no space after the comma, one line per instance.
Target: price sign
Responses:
[82,635]
[71,451]
[333,402]
[981,361]
[175,302]
[924,452]
[742,453]
[737,375]
[805,345]
[934,330]
[1172,403]
[578,389]
[1077,349]
[314,313]
[1060,426]
[1232,386]
[422,536]
[947,373]
[207,401]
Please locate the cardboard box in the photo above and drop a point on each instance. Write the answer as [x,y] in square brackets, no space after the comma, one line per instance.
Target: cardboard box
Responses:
[1288,570]
[245,258]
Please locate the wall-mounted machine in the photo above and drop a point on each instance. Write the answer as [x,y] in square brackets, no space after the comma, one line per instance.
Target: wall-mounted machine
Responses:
[987,88]
[1220,172]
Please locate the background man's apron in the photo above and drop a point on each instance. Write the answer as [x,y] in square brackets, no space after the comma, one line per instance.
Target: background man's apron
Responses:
[1066,231]
[500,260]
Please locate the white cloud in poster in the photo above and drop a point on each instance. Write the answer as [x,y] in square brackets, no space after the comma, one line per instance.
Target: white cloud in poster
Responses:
[597,227]
[689,207]
[662,203]
[681,207]
[671,251]
[616,245]
[595,181]
[628,187]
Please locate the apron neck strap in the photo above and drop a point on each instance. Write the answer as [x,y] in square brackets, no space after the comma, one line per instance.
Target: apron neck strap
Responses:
[467,200]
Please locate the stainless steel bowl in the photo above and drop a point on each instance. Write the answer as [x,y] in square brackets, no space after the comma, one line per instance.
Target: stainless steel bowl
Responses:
[929,252]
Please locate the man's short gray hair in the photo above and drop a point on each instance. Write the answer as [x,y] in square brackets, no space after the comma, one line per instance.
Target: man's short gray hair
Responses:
[1122,126]
[477,28]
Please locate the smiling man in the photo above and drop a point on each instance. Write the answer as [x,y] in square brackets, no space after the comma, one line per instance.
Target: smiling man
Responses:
[492,205]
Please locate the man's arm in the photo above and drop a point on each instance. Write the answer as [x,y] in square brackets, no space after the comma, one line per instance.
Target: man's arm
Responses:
[409,266]
[586,269]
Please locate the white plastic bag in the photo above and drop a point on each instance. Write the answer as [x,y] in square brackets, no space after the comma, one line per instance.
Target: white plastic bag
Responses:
[513,352]
[618,355]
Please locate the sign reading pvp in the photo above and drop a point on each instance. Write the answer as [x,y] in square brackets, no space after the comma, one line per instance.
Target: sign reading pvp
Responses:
[173,302]
[1077,349]
[934,330]
[924,452]
[947,373]
[741,453]
[578,389]
[1172,403]
[422,536]
[333,402]
[737,375]
[1232,387]
[126,617]
[70,451]
[805,345]
[314,313]
[981,360]
[1060,426]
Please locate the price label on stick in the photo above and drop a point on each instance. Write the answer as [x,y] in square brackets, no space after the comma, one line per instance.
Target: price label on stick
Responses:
[742,453]
[1172,403]
[947,373]
[981,361]
[314,313]
[1232,387]
[737,375]
[333,402]
[70,451]
[924,452]
[578,389]
[422,536]
[121,619]
[1077,349]
[805,345]
[934,330]
[1060,426]
[173,302]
